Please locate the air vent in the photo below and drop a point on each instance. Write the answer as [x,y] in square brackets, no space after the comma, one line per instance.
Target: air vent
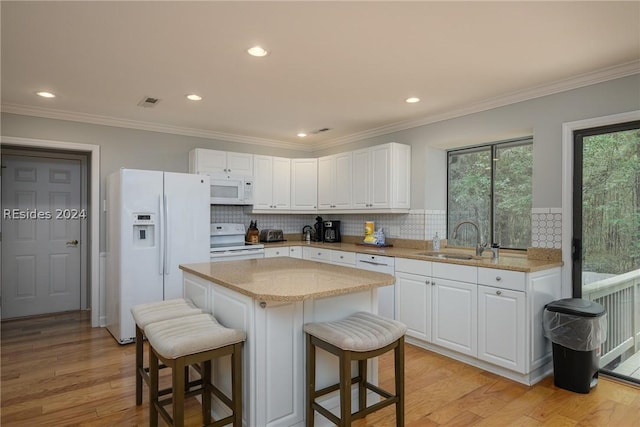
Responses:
[315,132]
[148,102]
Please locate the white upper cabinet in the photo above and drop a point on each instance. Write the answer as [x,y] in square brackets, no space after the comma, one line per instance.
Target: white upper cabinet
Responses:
[272,183]
[204,161]
[335,181]
[304,184]
[382,177]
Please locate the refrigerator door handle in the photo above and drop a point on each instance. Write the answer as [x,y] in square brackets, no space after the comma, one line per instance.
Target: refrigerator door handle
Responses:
[161,235]
[167,243]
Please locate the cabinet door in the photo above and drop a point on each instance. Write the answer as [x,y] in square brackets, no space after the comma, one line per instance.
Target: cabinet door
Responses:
[240,163]
[501,327]
[205,161]
[304,184]
[343,181]
[361,179]
[281,196]
[326,182]
[263,182]
[455,315]
[380,173]
[413,304]
[279,370]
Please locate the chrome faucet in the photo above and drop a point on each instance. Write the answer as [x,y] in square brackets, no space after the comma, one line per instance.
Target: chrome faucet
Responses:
[480,247]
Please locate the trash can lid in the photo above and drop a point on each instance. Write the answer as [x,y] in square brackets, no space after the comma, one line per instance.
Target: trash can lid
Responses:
[577,307]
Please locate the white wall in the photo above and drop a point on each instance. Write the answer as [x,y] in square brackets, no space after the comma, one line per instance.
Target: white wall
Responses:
[540,117]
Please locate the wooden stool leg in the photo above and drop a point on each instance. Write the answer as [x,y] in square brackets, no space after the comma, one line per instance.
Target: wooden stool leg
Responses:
[178,393]
[206,392]
[311,380]
[399,365]
[139,364]
[236,384]
[345,389]
[362,390]
[153,388]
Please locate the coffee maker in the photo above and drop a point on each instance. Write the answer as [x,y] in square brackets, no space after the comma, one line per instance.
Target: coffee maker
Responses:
[331,232]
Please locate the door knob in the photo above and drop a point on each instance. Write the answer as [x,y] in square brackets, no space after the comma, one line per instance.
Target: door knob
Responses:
[72,243]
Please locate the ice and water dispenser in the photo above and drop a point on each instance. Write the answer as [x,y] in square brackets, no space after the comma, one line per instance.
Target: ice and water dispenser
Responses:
[143,229]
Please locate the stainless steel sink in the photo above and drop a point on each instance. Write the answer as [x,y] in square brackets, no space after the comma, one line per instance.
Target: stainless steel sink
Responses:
[446,255]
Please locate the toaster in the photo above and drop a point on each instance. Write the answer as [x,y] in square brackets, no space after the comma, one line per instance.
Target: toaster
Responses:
[271,235]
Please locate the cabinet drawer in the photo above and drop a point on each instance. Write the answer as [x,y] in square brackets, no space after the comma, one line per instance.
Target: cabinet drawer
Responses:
[295,251]
[342,257]
[461,273]
[316,254]
[275,252]
[413,266]
[504,279]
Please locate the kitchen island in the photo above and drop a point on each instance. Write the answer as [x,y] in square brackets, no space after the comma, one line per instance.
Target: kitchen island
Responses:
[271,299]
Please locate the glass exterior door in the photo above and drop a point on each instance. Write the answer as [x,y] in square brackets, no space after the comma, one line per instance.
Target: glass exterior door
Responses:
[606,238]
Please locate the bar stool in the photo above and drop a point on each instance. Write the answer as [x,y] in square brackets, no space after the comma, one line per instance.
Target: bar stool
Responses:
[145,314]
[358,337]
[181,342]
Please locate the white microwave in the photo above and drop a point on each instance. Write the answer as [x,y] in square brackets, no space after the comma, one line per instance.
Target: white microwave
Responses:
[229,189]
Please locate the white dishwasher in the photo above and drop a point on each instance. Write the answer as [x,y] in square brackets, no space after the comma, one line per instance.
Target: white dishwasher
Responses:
[386,294]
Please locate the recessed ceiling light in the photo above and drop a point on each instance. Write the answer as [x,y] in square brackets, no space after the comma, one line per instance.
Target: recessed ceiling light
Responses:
[257,51]
[45,94]
[302,134]
[194,97]
[412,100]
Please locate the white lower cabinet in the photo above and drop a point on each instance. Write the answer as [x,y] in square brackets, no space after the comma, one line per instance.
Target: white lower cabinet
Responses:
[413,304]
[454,315]
[501,327]
[487,317]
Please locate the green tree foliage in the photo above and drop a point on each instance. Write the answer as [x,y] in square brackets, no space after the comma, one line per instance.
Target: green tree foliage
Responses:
[610,202]
[470,189]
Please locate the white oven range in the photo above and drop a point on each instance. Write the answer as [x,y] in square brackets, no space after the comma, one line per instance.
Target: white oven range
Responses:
[228,244]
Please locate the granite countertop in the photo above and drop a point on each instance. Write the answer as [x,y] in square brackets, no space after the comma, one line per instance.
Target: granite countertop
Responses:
[287,279]
[506,261]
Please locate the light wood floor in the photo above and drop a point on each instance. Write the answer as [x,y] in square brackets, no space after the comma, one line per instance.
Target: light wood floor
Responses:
[58,371]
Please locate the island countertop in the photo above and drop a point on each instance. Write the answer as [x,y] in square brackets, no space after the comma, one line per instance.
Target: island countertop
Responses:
[287,279]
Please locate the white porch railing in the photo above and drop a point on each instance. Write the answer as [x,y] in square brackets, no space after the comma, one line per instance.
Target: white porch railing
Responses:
[620,295]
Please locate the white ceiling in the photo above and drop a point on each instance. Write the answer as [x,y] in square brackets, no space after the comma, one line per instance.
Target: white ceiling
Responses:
[347,66]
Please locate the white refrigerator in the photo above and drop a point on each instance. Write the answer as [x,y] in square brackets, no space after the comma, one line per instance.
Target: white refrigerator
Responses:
[155,221]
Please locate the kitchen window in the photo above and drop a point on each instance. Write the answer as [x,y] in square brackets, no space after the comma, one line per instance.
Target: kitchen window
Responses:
[491,186]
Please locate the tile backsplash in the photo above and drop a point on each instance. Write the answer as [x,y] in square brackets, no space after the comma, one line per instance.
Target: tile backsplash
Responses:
[546,229]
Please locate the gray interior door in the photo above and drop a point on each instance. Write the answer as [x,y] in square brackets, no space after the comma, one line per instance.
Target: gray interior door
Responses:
[41,226]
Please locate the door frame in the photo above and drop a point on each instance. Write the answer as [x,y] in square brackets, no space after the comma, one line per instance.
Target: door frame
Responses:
[93,232]
[83,159]
[567,185]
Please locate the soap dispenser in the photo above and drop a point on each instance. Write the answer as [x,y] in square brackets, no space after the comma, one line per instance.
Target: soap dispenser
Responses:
[436,242]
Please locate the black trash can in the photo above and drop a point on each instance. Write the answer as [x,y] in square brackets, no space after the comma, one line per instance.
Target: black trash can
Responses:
[576,328]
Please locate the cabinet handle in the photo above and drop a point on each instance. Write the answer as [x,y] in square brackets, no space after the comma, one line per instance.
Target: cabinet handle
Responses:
[433,283]
[341,257]
[498,292]
[427,282]
[498,278]
[263,304]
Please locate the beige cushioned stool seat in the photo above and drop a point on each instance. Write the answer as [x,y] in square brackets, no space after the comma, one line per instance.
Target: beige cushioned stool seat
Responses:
[145,314]
[189,335]
[359,332]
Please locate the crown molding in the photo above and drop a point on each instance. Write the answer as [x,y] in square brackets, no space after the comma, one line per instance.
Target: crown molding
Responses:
[582,80]
[95,119]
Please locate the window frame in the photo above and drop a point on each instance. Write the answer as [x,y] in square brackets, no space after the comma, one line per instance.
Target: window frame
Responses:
[493,148]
